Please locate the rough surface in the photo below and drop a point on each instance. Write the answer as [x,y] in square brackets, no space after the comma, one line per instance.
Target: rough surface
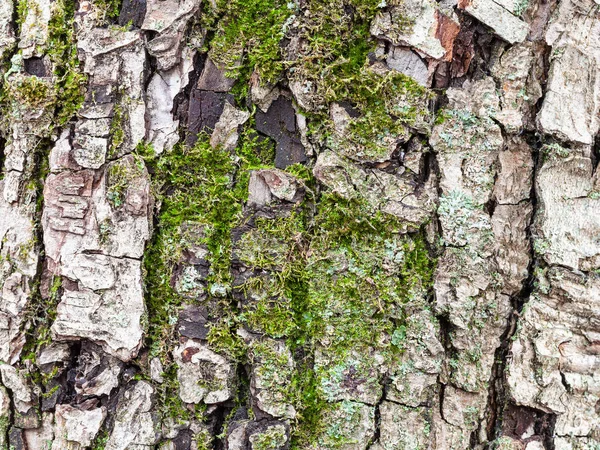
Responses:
[323,225]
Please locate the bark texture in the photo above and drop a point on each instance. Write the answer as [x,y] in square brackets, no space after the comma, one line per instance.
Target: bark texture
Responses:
[314,224]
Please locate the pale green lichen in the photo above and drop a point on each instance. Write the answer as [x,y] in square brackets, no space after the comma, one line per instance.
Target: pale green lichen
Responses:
[273,438]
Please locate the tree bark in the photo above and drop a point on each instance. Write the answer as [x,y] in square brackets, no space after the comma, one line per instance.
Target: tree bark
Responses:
[316,224]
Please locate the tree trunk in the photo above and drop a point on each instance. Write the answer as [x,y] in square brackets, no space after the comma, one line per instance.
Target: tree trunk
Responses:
[314,224]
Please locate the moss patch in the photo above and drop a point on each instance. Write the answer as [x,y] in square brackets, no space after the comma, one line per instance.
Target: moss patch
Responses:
[247,36]
[70,81]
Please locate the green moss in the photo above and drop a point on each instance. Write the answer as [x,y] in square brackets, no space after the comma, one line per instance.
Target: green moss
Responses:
[32,92]
[387,104]
[109,9]
[338,40]
[554,151]
[520,6]
[21,9]
[117,133]
[338,280]
[41,314]
[247,36]
[333,67]
[100,440]
[62,50]
[361,273]
[222,338]
[204,440]
[120,176]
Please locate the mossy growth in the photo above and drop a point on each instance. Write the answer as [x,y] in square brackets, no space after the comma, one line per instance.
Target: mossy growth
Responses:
[40,315]
[22,7]
[273,438]
[333,66]
[361,272]
[205,187]
[386,104]
[69,80]
[275,246]
[31,92]
[337,42]
[339,280]
[101,440]
[203,440]
[201,189]
[120,176]
[108,10]
[554,151]
[247,34]
[117,129]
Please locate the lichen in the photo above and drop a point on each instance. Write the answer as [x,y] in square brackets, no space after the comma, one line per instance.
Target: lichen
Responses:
[273,438]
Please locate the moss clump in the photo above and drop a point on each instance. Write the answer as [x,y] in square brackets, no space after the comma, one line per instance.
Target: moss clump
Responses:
[32,92]
[247,36]
[120,176]
[204,440]
[70,81]
[333,66]
[274,246]
[337,41]
[117,130]
[109,10]
[202,187]
[361,273]
[195,185]
[554,151]
[222,340]
[386,105]
[40,316]
[338,281]
[21,9]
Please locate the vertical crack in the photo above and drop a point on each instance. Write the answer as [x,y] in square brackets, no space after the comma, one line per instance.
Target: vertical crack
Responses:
[498,397]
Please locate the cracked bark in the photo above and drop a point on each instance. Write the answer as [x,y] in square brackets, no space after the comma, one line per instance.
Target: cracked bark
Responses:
[293,302]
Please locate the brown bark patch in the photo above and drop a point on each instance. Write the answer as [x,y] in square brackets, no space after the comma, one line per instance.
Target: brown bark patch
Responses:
[446,33]
[463,54]
[187,354]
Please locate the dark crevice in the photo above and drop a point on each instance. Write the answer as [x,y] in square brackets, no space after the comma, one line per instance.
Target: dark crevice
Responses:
[527,424]
[441,399]
[596,153]
[10,418]
[2,155]
[181,100]
[225,416]
[565,383]
[498,397]
[70,374]
[385,383]
[428,165]
[490,206]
